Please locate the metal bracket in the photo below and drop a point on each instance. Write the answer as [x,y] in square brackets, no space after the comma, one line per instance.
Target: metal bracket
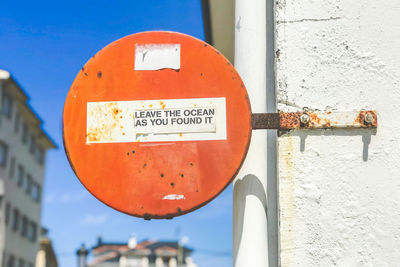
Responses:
[315,120]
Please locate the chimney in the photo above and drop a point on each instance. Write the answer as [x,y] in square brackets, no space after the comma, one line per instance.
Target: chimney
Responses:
[99,240]
[82,255]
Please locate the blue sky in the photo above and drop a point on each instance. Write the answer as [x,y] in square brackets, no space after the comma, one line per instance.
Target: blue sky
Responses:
[44,44]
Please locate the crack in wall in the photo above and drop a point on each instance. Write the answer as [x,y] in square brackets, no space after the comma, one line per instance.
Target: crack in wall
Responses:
[307,20]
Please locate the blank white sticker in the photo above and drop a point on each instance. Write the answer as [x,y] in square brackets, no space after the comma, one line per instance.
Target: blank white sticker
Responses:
[157,56]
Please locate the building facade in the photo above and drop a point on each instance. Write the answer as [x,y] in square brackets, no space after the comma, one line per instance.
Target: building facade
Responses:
[23,146]
[133,254]
[46,256]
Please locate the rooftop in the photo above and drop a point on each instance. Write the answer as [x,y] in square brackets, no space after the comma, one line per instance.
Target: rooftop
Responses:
[111,251]
[8,78]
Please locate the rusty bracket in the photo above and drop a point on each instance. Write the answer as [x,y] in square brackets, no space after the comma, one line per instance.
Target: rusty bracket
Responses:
[315,120]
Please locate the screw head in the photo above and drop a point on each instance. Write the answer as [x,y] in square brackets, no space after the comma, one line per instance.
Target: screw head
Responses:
[304,119]
[369,118]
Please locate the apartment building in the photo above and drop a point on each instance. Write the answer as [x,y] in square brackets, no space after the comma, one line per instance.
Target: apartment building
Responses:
[23,146]
[147,253]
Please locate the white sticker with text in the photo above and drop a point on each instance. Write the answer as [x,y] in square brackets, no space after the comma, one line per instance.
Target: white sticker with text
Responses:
[156,120]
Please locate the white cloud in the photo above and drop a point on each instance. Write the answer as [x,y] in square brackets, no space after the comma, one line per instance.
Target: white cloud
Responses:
[184,240]
[50,198]
[91,219]
[72,197]
[66,197]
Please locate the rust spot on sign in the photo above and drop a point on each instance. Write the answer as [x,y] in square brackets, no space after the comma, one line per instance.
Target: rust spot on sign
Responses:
[106,125]
[93,136]
[162,104]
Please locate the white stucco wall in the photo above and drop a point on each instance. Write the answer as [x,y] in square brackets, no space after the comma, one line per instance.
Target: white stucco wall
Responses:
[339,190]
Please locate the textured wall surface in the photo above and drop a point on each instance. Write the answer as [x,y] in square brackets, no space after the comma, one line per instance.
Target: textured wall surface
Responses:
[339,190]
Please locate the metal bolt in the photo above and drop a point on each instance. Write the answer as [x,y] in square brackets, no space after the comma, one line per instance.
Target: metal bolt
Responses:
[369,118]
[304,119]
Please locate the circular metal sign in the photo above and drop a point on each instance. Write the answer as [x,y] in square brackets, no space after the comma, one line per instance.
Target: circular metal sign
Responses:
[157,124]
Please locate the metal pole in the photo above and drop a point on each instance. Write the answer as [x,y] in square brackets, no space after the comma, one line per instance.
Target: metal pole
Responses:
[250,235]
[82,255]
[180,255]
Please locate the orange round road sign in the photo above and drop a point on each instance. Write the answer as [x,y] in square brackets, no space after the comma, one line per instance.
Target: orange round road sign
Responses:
[157,124]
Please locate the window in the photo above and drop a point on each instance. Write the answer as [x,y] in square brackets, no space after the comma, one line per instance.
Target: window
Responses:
[32,232]
[17,122]
[21,263]
[32,145]
[39,155]
[15,220]
[7,105]
[3,262]
[8,210]
[28,184]
[21,174]
[25,134]
[3,153]
[24,228]
[134,262]
[12,168]
[11,261]
[36,192]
